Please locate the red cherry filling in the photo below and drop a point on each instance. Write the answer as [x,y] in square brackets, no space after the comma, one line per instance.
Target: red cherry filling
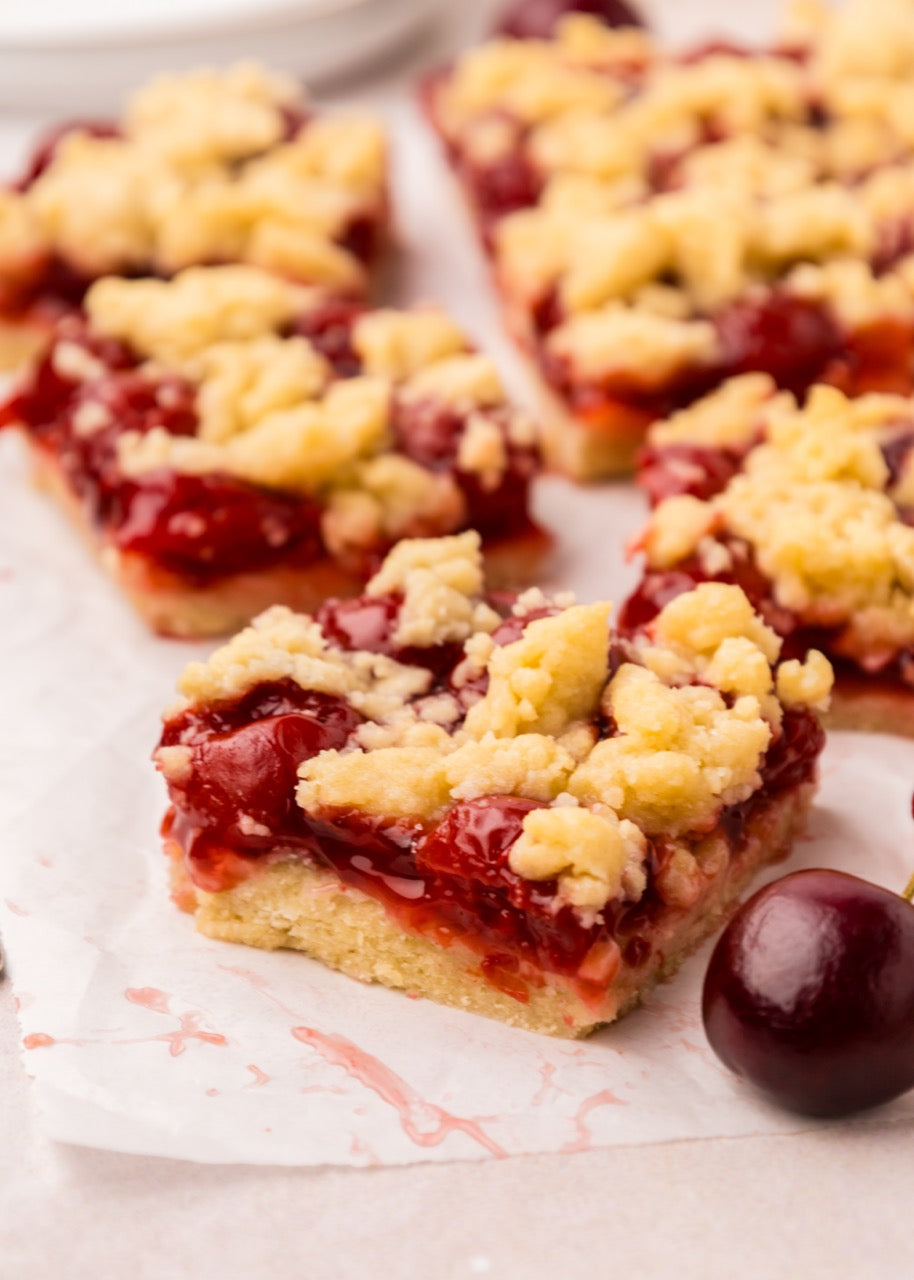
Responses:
[658,587]
[235,805]
[201,528]
[206,527]
[794,340]
[370,623]
[430,433]
[236,799]
[788,337]
[538,19]
[328,328]
[668,470]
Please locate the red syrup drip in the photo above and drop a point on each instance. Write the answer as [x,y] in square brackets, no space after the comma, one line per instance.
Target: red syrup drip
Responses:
[424,1123]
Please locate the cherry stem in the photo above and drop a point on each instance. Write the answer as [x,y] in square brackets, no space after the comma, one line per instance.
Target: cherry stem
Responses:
[908,892]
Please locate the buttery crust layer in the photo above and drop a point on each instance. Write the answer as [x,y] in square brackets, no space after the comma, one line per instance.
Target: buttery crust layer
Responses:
[305,908]
[870,710]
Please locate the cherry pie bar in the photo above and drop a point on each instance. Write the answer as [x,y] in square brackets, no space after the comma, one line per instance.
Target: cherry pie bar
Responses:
[230,440]
[811,512]
[207,167]
[658,223]
[488,800]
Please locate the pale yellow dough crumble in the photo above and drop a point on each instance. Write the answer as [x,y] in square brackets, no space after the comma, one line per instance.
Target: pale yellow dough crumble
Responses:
[772,198]
[271,411]
[814,504]
[203,171]
[696,707]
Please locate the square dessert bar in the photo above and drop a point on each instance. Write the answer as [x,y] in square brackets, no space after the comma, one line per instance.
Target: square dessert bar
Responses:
[211,166]
[490,801]
[229,440]
[810,511]
[658,222]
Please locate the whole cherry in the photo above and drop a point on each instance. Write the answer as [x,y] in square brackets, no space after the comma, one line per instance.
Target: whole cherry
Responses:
[810,993]
[537,19]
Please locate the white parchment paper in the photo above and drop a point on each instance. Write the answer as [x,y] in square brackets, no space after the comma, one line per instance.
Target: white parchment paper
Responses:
[142,1036]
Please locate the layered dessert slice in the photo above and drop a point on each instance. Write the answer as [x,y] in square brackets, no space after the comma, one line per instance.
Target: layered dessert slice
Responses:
[658,223]
[487,800]
[810,511]
[206,167]
[229,440]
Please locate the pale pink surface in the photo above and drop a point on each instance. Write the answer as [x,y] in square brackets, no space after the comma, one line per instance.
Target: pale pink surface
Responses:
[145,1037]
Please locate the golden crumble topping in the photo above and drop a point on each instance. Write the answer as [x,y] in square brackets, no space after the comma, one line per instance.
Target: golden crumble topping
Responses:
[780,170]
[728,415]
[693,709]
[586,850]
[272,411]
[812,504]
[204,170]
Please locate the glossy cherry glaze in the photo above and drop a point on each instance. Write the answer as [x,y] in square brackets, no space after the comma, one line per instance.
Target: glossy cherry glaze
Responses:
[810,993]
[538,19]
[201,528]
[234,807]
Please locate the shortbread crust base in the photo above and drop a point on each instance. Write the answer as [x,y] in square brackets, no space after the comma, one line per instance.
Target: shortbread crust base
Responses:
[871,709]
[603,448]
[173,607]
[306,908]
[600,446]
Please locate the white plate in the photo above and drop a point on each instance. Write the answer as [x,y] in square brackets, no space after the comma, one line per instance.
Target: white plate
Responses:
[56,56]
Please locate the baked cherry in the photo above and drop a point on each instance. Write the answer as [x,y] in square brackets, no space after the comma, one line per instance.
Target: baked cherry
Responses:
[537,19]
[810,993]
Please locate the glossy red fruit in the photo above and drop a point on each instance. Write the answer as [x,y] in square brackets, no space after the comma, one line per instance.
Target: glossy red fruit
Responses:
[537,19]
[810,993]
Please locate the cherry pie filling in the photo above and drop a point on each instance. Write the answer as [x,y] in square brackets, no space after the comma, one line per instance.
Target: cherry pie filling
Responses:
[203,528]
[795,340]
[891,672]
[448,881]
[58,286]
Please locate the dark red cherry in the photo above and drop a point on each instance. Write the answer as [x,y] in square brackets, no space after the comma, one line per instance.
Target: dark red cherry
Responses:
[810,993]
[537,19]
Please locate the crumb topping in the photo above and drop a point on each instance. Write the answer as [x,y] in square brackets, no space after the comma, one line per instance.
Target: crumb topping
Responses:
[709,179]
[811,502]
[729,415]
[398,344]
[441,582]
[693,712]
[204,170]
[272,411]
[586,850]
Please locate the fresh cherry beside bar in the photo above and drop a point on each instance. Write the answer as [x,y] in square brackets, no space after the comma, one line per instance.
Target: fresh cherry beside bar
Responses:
[810,993]
[537,19]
